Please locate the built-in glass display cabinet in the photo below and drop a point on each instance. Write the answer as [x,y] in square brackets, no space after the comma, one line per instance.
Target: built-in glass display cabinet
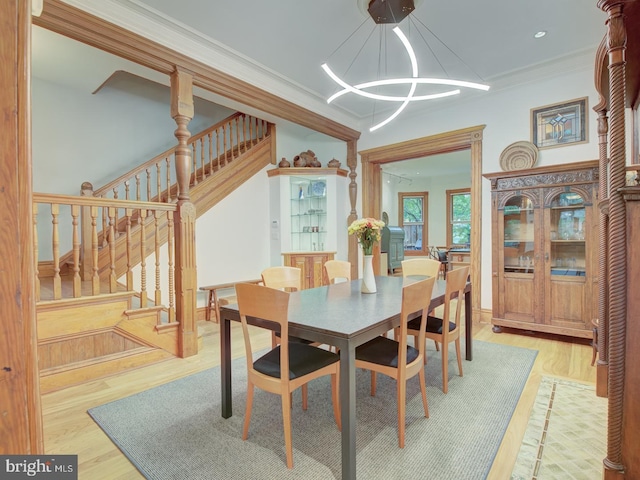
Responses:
[544,229]
[305,227]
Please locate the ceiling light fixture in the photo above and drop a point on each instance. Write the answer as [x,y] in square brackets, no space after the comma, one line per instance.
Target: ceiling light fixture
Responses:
[392,12]
[539,34]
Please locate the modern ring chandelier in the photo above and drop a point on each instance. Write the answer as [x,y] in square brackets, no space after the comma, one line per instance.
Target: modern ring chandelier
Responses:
[394,11]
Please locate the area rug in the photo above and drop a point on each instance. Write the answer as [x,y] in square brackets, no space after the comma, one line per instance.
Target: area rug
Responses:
[175,431]
[566,434]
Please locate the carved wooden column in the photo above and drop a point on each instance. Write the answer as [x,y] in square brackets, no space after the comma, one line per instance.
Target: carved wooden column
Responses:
[602,368]
[476,219]
[20,408]
[352,163]
[185,216]
[617,235]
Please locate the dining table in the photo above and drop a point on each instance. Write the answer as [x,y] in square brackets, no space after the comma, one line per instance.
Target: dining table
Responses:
[342,316]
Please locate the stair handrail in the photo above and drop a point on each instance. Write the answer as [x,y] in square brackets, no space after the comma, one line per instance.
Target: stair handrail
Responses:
[80,228]
[232,135]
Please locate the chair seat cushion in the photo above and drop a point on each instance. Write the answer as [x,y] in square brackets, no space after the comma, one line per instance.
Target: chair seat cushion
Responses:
[383,351]
[296,339]
[303,359]
[434,325]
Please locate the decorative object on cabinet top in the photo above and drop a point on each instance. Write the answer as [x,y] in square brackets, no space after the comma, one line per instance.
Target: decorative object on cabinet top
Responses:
[518,156]
[307,159]
[284,163]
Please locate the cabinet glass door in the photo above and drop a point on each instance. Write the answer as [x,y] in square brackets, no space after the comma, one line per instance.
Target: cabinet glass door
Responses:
[519,235]
[567,235]
[308,213]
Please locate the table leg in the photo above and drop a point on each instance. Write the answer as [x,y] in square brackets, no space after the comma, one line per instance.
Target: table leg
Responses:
[225,367]
[468,326]
[348,411]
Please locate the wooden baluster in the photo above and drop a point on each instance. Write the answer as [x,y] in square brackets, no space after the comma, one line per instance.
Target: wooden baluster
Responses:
[172,286]
[128,213]
[143,258]
[35,250]
[224,145]
[113,285]
[138,193]
[95,278]
[104,227]
[77,284]
[115,231]
[218,149]
[148,172]
[156,236]
[168,166]
[194,158]
[202,161]
[237,136]
[243,133]
[55,242]
[158,182]
[126,189]
[251,136]
[210,141]
[86,190]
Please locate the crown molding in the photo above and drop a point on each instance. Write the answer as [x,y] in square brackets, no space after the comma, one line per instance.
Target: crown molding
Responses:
[143,20]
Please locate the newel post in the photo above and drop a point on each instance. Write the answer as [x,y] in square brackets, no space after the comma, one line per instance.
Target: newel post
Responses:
[185,216]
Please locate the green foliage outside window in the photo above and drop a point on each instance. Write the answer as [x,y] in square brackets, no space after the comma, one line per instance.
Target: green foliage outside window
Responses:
[461,218]
[412,209]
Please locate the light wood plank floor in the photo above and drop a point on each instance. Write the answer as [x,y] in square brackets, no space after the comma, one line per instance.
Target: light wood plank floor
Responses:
[68,428]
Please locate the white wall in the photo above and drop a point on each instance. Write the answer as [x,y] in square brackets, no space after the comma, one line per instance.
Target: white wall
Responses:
[505,112]
[437,187]
[79,136]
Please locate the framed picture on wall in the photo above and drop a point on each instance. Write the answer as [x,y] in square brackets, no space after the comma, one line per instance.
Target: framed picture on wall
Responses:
[560,124]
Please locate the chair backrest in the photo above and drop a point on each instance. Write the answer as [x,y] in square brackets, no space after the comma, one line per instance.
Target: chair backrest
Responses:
[456,282]
[283,278]
[267,304]
[420,266]
[416,297]
[335,269]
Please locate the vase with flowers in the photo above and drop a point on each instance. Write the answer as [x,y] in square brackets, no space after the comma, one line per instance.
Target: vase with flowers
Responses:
[368,231]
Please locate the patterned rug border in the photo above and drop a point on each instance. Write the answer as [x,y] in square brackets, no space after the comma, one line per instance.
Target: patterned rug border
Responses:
[538,458]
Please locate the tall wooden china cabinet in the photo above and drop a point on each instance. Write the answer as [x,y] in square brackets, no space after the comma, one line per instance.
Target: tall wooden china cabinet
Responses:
[544,229]
[305,227]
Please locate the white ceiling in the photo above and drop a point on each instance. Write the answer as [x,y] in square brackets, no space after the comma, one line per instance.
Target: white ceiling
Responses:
[491,40]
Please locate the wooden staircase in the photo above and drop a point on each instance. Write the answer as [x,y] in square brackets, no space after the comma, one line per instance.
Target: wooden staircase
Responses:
[86,332]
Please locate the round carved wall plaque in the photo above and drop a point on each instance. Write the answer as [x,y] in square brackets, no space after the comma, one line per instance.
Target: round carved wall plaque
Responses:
[519,156]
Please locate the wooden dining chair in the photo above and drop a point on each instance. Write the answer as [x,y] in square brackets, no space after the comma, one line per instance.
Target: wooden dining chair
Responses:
[422,266]
[396,358]
[288,279]
[448,330]
[286,367]
[337,269]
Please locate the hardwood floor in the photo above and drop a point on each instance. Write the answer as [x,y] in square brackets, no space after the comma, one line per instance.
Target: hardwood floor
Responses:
[69,429]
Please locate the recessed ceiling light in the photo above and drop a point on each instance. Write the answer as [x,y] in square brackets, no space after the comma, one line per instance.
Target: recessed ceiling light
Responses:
[540,34]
